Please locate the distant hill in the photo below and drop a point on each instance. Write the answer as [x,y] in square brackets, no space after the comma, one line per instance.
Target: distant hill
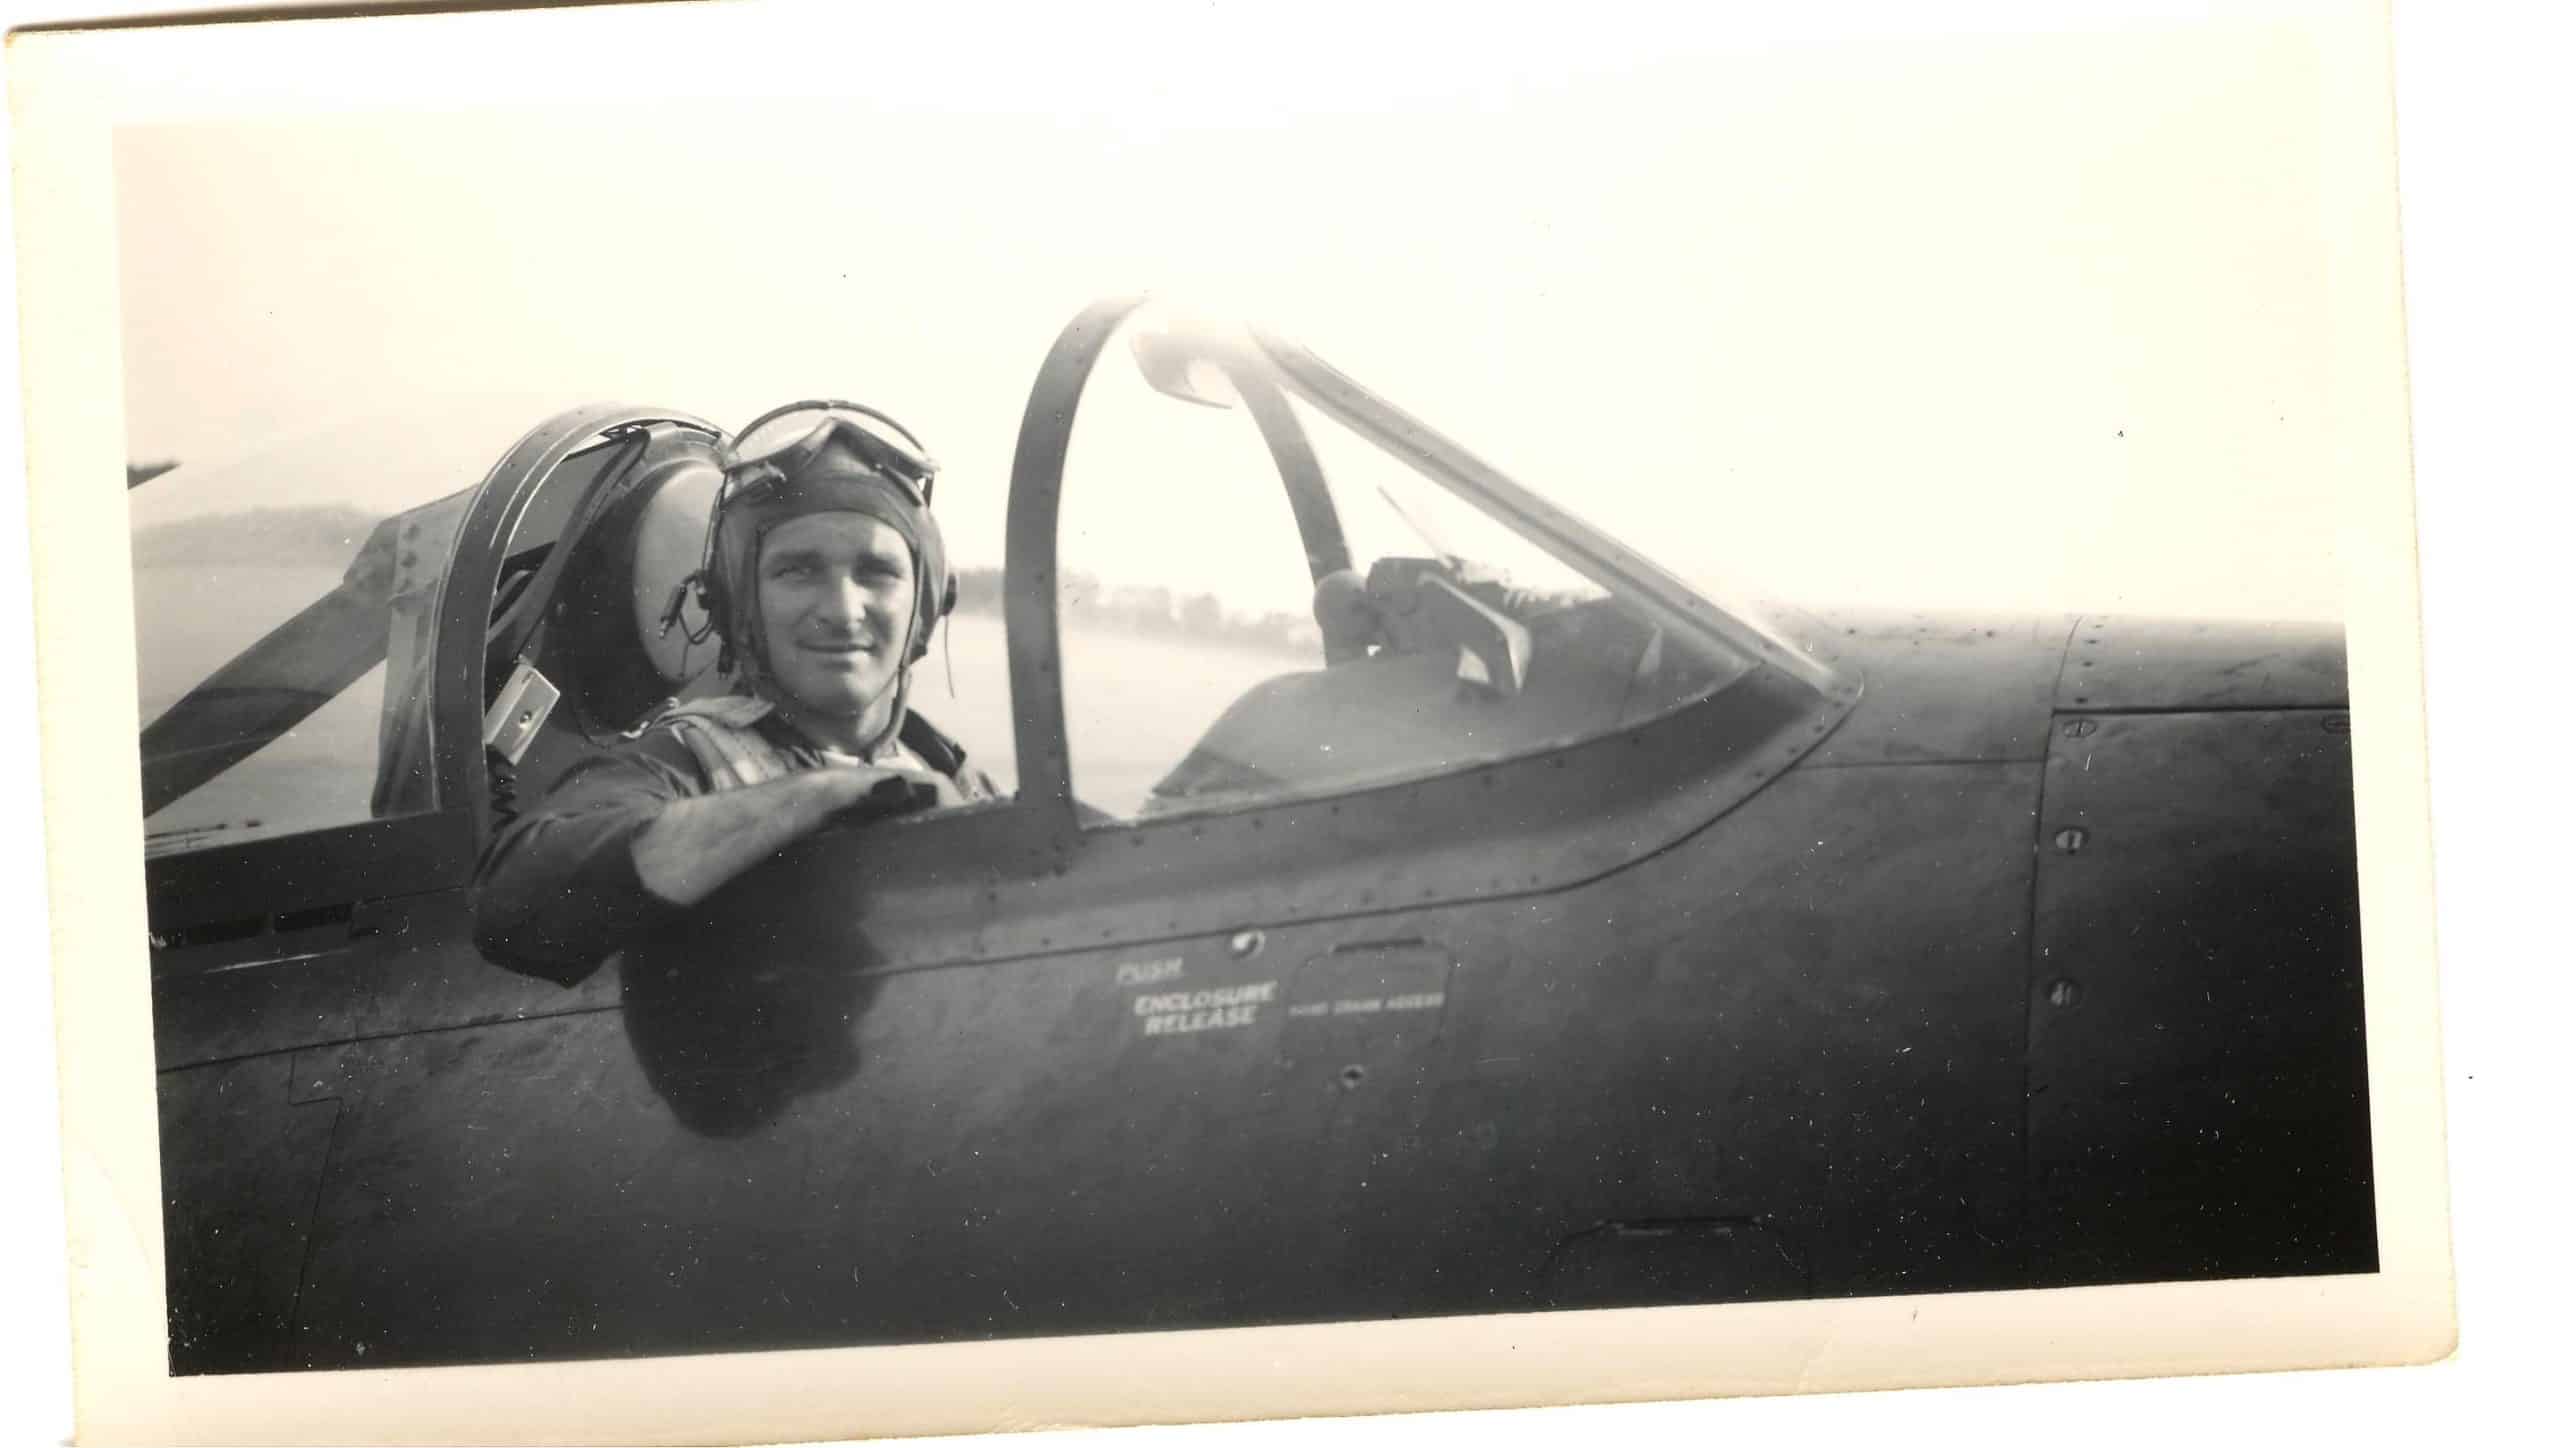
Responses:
[326,533]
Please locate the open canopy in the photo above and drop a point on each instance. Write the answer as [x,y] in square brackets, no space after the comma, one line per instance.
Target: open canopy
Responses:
[1356,597]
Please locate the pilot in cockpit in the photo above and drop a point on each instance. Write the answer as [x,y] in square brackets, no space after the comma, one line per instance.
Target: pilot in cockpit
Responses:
[824,576]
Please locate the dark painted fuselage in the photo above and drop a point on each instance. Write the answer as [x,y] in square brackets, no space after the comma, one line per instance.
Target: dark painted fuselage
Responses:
[2036,965]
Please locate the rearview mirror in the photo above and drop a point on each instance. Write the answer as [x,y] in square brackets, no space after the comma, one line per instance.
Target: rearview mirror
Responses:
[1181,361]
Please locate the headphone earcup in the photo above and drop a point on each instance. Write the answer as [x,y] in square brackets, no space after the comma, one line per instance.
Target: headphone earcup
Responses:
[707,585]
[924,639]
[715,605]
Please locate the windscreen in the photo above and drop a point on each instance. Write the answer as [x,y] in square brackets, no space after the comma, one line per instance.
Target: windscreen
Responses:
[1227,641]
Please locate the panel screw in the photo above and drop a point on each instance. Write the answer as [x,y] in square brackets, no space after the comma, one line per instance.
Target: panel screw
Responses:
[1244,943]
[2064,994]
[2071,841]
[2080,728]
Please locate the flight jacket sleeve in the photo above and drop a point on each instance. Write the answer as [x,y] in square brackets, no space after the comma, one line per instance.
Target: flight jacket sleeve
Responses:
[557,889]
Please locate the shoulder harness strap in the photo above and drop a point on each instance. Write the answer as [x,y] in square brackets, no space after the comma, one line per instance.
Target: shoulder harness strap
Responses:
[722,735]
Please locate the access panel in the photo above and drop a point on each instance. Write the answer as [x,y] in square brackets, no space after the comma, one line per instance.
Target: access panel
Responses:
[2197,1092]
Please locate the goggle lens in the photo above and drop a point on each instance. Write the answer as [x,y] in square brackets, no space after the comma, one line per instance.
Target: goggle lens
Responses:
[775,435]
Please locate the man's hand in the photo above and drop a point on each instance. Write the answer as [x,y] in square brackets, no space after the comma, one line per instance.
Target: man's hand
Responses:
[877,791]
[697,845]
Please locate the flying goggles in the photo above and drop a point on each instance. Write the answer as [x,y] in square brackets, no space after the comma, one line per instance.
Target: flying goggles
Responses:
[775,447]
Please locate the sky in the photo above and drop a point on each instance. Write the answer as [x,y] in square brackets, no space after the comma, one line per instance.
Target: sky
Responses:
[1994,318]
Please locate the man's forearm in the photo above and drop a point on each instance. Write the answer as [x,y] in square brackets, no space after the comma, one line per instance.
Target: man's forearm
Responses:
[697,845]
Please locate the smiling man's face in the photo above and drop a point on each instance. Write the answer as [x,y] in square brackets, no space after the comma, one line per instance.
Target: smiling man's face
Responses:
[835,592]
